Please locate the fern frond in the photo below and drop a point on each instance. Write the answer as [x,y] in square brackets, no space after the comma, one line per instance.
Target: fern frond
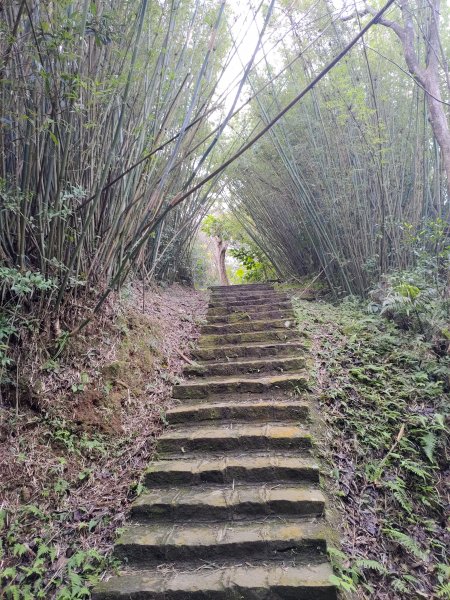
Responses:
[415,468]
[429,442]
[444,591]
[335,553]
[374,565]
[407,543]
[397,487]
[400,586]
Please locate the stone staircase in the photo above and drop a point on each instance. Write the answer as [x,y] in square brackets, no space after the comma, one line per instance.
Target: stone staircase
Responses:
[232,507]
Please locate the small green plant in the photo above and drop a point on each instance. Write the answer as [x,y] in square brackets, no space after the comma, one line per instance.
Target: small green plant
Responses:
[81,385]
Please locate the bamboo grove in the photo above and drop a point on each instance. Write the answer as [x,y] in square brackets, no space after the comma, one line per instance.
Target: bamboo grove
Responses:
[89,90]
[339,185]
[109,110]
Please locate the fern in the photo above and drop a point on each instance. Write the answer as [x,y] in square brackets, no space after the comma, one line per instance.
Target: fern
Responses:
[415,468]
[343,582]
[374,565]
[13,592]
[444,591]
[397,487]
[429,442]
[400,586]
[336,554]
[407,543]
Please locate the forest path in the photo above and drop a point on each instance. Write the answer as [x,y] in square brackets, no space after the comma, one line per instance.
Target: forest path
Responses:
[232,506]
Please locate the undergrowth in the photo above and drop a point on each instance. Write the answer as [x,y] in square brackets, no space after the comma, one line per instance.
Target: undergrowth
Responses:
[384,393]
[75,442]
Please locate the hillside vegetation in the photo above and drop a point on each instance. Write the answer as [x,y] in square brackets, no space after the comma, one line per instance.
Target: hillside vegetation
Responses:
[149,150]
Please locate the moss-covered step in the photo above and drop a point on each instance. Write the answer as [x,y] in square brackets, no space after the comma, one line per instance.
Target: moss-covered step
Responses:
[273,335]
[240,292]
[239,316]
[227,502]
[243,287]
[247,467]
[238,409]
[202,388]
[233,294]
[276,349]
[223,437]
[267,539]
[245,326]
[250,581]
[233,367]
[266,299]
[250,308]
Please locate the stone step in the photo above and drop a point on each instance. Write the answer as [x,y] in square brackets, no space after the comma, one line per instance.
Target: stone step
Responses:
[239,316]
[250,581]
[240,467]
[226,437]
[226,299]
[267,539]
[266,299]
[227,502]
[254,350]
[238,409]
[251,308]
[273,335]
[244,287]
[233,367]
[202,388]
[245,326]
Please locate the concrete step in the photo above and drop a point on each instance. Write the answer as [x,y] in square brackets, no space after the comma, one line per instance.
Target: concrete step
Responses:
[240,467]
[202,388]
[245,326]
[232,508]
[254,350]
[226,437]
[239,316]
[268,539]
[266,299]
[273,335]
[233,367]
[227,502]
[242,410]
[250,581]
[251,308]
[226,299]
[243,287]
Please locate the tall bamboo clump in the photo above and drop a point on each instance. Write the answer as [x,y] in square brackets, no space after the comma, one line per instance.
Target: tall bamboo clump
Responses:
[89,90]
[338,185]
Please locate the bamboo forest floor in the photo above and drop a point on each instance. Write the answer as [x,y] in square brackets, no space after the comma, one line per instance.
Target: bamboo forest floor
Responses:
[346,387]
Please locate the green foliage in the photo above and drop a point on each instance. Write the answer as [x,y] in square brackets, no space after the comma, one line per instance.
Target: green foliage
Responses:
[254,264]
[16,287]
[126,77]
[407,543]
[385,396]
[220,226]
[416,299]
[72,582]
[23,284]
[256,267]
[349,573]
[37,566]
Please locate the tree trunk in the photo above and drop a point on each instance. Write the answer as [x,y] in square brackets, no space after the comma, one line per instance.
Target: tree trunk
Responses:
[219,255]
[428,76]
